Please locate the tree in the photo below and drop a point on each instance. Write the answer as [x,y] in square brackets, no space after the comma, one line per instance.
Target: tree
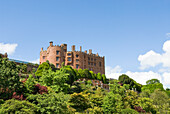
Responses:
[72,74]
[99,77]
[93,75]
[147,105]
[33,70]
[112,103]
[9,79]
[152,81]
[51,103]
[116,88]
[132,84]
[79,102]
[87,74]
[104,78]
[18,107]
[24,68]
[30,84]
[160,100]
[130,100]
[56,80]
[145,93]
[153,87]
[41,68]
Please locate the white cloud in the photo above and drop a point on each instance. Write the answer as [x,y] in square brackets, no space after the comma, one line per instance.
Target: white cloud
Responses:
[7,48]
[140,77]
[152,59]
[35,61]
[166,77]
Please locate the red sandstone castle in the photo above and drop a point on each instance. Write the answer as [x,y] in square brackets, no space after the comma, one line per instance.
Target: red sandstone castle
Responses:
[77,59]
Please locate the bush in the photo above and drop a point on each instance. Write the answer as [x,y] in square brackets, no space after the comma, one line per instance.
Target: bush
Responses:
[14,106]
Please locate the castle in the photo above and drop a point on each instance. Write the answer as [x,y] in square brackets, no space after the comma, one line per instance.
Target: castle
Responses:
[77,59]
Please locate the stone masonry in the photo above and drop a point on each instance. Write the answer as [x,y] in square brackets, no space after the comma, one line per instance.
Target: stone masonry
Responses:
[77,59]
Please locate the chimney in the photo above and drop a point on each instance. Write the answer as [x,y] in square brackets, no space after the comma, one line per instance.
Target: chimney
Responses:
[51,43]
[97,54]
[90,51]
[80,48]
[42,49]
[73,47]
[85,51]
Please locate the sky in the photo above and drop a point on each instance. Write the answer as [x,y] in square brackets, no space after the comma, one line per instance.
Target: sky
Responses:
[134,36]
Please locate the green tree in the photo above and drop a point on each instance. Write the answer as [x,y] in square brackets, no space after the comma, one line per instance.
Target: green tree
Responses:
[104,78]
[24,68]
[41,68]
[160,100]
[79,102]
[93,75]
[18,107]
[51,103]
[33,70]
[145,93]
[87,74]
[152,81]
[112,103]
[9,79]
[130,100]
[30,84]
[147,105]
[77,74]
[72,74]
[153,87]
[127,80]
[116,88]
[56,80]
[82,75]
[99,77]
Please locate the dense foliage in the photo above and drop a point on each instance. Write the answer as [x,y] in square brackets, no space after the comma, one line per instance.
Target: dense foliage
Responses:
[57,91]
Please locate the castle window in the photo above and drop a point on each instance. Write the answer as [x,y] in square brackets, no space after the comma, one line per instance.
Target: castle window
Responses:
[69,58]
[43,57]
[94,64]
[77,60]
[91,63]
[57,65]
[69,54]
[100,64]
[88,63]
[57,52]
[91,59]
[94,59]
[57,58]
[77,55]
[77,66]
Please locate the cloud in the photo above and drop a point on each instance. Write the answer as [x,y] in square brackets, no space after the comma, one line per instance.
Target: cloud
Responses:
[7,48]
[152,59]
[37,61]
[140,77]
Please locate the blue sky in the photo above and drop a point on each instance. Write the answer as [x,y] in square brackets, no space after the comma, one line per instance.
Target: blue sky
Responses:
[120,30]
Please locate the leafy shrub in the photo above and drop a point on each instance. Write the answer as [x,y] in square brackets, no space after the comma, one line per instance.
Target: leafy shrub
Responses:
[13,106]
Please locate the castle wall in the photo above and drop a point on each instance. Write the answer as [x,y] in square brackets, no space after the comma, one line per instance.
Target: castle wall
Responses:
[77,59]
